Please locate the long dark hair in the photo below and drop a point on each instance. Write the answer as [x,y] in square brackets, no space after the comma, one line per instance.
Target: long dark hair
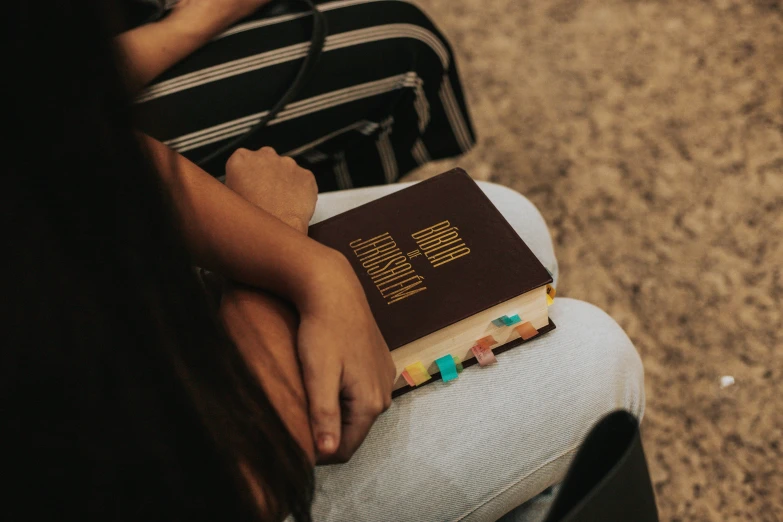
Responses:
[122,396]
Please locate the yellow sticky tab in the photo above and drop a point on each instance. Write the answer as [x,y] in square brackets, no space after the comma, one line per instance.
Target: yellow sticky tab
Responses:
[550,295]
[408,379]
[418,373]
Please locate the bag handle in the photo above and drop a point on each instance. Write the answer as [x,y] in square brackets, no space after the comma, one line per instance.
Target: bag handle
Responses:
[301,79]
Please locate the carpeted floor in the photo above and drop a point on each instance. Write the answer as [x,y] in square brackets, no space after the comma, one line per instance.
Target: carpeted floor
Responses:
[650,134]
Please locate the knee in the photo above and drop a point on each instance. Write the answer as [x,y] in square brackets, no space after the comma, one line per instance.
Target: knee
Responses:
[508,199]
[609,369]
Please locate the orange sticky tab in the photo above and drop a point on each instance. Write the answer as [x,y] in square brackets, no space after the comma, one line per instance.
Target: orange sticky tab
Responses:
[487,341]
[407,378]
[483,354]
[418,373]
[526,331]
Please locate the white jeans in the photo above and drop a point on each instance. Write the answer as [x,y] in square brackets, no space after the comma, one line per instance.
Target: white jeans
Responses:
[477,448]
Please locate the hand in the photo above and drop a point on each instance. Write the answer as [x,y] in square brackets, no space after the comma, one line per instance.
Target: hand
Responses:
[347,368]
[274,183]
[215,14]
[346,365]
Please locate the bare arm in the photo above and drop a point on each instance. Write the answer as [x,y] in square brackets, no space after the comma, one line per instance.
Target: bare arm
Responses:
[346,368]
[346,388]
[264,329]
[152,48]
[229,235]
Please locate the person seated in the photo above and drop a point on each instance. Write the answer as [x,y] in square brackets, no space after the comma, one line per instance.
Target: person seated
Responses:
[129,396]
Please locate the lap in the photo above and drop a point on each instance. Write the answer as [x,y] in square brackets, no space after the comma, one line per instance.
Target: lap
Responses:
[476,448]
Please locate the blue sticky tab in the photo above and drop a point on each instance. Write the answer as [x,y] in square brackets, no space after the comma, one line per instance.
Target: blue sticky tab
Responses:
[448,370]
[514,319]
[499,321]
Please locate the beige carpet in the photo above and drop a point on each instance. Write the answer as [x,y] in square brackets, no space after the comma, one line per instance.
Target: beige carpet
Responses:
[650,134]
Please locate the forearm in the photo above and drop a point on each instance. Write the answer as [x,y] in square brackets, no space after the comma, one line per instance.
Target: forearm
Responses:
[231,236]
[264,329]
[150,49]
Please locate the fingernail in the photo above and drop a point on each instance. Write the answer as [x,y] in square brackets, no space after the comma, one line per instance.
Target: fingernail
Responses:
[326,444]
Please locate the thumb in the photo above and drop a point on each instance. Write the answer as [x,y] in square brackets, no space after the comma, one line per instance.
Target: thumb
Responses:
[323,393]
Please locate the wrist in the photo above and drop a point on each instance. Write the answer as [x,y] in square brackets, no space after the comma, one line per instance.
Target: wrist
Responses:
[242,300]
[331,274]
[295,222]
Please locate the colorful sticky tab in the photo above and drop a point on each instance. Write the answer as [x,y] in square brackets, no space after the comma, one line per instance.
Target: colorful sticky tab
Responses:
[418,373]
[408,378]
[507,321]
[458,363]
[487,341]
[550,295]
[526,330]
[514,319]
[447,367]
[483,354]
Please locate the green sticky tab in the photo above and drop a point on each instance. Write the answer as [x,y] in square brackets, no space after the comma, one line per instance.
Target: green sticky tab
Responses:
[514,319]
[459,364]
[499,321]
[448,370]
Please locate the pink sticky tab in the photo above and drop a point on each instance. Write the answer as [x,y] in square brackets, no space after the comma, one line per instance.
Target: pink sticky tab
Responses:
[484,355]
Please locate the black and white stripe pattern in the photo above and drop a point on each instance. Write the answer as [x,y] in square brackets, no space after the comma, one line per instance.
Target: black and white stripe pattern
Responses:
[386,96]
[341,174]
[420,153]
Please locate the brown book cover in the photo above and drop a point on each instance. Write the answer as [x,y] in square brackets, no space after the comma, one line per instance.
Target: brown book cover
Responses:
[431,255]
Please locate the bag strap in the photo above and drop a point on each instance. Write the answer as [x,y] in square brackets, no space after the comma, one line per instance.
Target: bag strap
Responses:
[301,79]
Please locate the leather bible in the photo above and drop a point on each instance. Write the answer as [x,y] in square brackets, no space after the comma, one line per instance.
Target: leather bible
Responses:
[442,270]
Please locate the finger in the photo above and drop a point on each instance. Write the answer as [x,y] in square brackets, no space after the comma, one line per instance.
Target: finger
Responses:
[393,375]
[357,421]
[323,393]
[288,161]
